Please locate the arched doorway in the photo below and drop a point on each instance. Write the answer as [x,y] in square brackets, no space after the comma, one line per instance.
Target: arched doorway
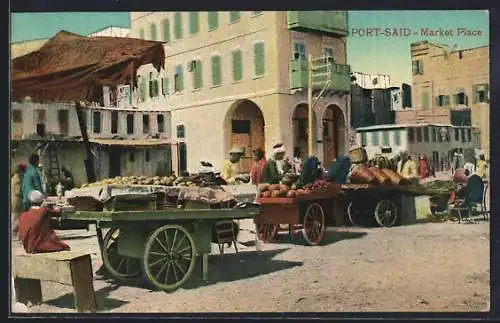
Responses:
[244,127]
[301,131]
[333,134]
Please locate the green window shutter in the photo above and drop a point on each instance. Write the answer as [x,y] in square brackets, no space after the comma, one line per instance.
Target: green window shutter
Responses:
[487,92]
[142,90]
[213,20]
[237,66]
[364,140]
[259,59]
[166,31]
[178,25]
[425,100]
[385,138]
[194,26]
[216,71]
[475,94]
[198,77]
[234,16]
[421,67]
[179,79]
[130,89]
[447,100]
[397,138]
[141,34]
[154,36]
[375,138]
[165,86]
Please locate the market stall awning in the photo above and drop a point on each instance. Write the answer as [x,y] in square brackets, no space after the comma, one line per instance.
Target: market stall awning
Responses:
[132,142]
[71,67]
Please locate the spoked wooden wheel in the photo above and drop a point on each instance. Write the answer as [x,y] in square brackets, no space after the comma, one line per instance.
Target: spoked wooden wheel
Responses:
[386,213]
[169,257]
[360,217]
[120,267]
[267,232]
[313,227]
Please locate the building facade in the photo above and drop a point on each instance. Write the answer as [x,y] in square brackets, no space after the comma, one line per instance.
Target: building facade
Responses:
[239,78]
[452,79]
[125,142]
[437,141]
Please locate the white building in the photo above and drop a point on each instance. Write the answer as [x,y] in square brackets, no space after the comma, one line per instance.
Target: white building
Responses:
[437,141]
[111,31]
[372,80]
[124,141]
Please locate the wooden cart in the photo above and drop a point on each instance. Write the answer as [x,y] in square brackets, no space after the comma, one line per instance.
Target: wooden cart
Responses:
[369,204]
[162,246]
[303,214]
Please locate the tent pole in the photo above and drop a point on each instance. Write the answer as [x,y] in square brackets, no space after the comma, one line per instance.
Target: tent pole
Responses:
[89,161]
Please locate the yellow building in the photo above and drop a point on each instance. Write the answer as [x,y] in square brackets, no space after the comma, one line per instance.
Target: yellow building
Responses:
[456,79]
[239,78]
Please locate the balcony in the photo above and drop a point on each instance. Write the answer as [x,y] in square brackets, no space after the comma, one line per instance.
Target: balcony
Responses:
[339,75]
[326,23]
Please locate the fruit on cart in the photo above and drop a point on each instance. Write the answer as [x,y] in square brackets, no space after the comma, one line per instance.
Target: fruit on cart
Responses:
[291,193]
[266,194]
[300,192]
[264,187]
[275,193]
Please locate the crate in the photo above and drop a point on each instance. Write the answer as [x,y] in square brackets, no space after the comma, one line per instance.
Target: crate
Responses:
[86,203]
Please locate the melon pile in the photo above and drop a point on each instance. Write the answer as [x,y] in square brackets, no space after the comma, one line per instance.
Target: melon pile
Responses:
[290,191]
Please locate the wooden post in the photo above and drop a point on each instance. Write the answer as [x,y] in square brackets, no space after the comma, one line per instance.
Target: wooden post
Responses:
[89,161]
[28,290]
[311,136]
[205,266]
[83,286]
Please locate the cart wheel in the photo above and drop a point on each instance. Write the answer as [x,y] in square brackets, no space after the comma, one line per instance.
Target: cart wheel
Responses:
[169,257]
[267,232]
[360,217]
[120,267]
[386,213]
[313,228]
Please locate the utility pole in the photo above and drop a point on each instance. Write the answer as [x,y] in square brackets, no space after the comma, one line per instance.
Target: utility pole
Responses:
[310,106]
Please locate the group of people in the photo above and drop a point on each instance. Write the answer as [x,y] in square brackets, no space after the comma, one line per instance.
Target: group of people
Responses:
[29,182]
[273,169]
[262,171]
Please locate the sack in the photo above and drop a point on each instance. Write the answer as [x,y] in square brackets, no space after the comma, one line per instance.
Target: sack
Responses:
[362,175]
[380,176]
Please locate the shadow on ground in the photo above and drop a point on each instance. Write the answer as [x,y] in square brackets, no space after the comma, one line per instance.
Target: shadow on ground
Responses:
[232,267]
[329,238]
[222,268]
[104,303]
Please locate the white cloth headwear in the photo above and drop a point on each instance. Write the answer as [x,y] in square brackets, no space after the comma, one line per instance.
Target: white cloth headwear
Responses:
[278,148]
[36,197]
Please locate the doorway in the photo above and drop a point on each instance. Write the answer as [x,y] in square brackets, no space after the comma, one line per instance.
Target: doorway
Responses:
[114,162]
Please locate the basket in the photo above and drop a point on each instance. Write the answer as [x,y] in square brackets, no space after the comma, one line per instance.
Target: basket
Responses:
[358,155]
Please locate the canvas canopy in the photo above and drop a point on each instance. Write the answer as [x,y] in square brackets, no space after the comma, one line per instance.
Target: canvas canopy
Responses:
[71,67]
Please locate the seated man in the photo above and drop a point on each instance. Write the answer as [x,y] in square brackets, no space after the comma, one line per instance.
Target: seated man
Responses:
[471,193]
[35,230]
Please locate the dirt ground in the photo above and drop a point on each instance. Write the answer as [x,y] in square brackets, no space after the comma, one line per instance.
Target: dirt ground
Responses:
[421,267]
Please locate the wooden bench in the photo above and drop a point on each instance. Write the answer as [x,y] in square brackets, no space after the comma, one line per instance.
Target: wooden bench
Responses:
[64,267]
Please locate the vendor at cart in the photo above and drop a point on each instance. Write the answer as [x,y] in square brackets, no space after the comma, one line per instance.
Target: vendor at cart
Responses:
[231,168]
[273,172]
[407,167]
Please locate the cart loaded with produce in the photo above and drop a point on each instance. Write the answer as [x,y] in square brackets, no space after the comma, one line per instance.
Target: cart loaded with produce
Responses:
[301,207]
[372,193]
[158,227]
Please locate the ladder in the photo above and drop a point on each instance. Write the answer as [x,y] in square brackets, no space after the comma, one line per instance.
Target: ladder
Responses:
[53,169]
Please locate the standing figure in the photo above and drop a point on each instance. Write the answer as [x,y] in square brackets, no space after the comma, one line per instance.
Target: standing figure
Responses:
[423,167]
[68,180]
[339,171]
[272,173]
[231,168]
[257,170]
[482,166]
[16,197]
[32,180]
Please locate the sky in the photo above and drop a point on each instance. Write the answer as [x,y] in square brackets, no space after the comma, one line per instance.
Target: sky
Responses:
[384,53]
